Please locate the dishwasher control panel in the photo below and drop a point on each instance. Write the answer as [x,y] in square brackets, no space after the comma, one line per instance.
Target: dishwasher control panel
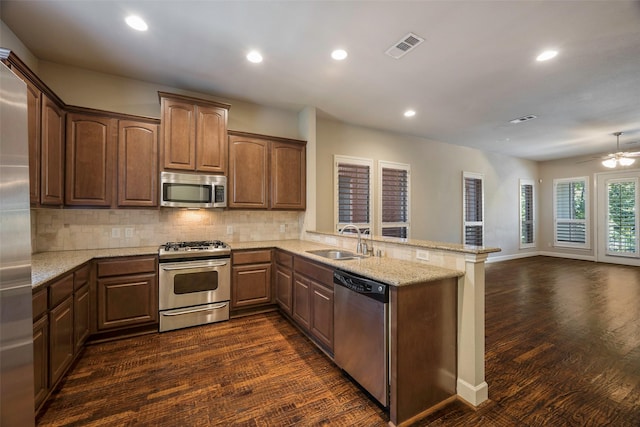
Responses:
[362,285]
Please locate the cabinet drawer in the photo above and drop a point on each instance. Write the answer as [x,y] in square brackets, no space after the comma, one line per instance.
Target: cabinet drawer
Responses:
[252,257]
[39,303]
[121,267]
[317,272]
[81,277]
[60,290]
[284,258]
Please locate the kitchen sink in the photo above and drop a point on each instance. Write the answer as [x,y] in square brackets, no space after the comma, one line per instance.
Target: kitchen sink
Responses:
[337,254]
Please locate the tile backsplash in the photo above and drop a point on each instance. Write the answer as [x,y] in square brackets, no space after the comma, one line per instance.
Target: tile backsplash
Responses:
[73,229]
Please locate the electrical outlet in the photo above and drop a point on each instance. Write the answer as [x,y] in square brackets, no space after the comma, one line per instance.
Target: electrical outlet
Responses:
[229,229]
[423,255]
[283,228]
[115,233]
[128,232]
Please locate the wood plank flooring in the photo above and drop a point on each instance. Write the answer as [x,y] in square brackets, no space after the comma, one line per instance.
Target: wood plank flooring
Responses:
[562,340]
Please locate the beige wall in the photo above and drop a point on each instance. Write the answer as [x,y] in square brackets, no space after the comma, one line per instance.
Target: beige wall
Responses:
[87,88]
[8,40]
[436,182]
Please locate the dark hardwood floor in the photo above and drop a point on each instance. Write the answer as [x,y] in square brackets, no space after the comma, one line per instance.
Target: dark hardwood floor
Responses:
[562,341]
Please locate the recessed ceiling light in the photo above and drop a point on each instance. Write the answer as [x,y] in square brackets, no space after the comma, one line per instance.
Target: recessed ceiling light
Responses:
[136,23]
[339,54]
[254,56]
[409,113]
[547,55]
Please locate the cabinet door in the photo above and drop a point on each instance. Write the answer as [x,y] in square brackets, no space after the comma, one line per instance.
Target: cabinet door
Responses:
[90,173]
[81,317]
[33,132]
[137,164]
[301,301]
[288,176]
[211,139]
[248,173]
[127,301]
[61,343]
[178,134]
[40,360]
[284,288]
[250,285]
[51,154]
[322,314]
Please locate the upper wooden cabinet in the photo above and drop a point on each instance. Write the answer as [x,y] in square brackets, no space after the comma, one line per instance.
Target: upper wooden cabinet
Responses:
[137,163]
[34,96]
[112,160]
[91,156]
[266,172]
[193,134]
[52,153]
[45,121]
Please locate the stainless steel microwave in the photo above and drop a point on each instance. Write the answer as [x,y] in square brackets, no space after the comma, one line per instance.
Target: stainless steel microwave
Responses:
[187,190]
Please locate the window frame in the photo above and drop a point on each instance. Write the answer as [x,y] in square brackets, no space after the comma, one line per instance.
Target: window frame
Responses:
[585,221]
[532,209]
[465,223]
[381,225]
[359,161]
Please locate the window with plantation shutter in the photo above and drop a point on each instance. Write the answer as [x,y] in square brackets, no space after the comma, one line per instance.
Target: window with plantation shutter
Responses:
[570,213]
[621,217]
[353,192]
[527,222]
[473,208]
[394,187]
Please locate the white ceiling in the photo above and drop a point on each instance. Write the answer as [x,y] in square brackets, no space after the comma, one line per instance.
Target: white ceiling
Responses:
[475,71]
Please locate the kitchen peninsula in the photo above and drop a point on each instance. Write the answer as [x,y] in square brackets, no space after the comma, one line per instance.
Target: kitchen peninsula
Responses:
[459,265]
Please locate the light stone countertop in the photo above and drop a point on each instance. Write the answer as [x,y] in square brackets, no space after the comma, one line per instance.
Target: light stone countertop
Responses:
[426,244]
[49,265]
[46,266]
[391,271]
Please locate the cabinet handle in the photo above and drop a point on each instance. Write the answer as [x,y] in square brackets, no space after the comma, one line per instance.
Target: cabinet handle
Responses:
[320,295]
[195,310]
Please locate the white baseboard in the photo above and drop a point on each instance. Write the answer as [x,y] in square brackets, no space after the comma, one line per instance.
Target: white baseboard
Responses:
[491,259]
[475,395]
[570,256]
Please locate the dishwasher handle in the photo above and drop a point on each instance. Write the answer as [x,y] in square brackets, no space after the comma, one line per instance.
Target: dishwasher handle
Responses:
[361,285]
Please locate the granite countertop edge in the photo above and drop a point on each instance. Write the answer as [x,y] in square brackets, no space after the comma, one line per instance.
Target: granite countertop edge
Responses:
[46,266]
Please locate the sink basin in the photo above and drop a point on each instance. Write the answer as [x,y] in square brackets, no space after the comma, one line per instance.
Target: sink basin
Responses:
[337,254]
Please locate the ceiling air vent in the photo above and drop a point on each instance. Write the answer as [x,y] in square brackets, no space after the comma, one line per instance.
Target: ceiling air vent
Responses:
[404,45]
[523,119]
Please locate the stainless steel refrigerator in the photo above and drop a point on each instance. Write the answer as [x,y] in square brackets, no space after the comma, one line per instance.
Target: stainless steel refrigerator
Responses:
[16,327]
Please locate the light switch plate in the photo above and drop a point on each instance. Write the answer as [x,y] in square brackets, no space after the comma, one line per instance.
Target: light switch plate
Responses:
[423,255]
[283,228]
[115,233]
[128,232]
[229,229]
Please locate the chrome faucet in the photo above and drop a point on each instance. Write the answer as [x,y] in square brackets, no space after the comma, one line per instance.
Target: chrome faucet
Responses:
[359,246]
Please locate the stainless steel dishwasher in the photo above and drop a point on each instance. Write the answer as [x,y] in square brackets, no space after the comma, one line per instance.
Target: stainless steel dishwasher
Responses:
[361,332]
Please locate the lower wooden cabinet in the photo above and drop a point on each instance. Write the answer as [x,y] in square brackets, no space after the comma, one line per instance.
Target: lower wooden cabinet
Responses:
[61,342]
[322,313]
[284,288]
[251,284]
[313,300]
[81,316]
[301,305]
[41,360]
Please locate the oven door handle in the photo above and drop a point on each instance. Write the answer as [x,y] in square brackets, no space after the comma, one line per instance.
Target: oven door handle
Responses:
[192,266]
[195,310]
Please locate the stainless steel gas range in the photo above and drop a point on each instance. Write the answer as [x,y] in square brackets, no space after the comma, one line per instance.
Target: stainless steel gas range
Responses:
[194,283]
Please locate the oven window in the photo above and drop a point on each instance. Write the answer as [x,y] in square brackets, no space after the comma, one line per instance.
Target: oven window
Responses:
[195,282]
